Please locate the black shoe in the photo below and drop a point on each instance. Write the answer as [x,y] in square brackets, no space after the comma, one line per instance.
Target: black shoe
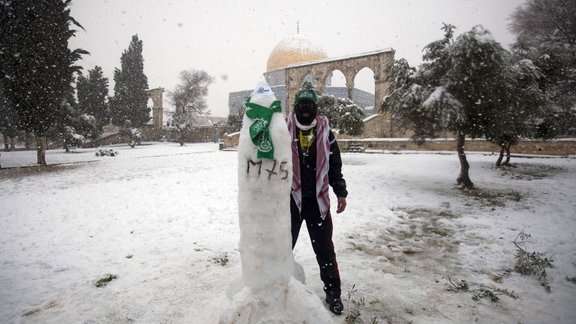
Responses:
[335,304]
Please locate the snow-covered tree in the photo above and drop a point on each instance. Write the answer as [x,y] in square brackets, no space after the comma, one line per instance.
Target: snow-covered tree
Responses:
[130,101]
[73,127]
[189,100]
[235,121]
[458,88]
[8,116]
[546,21]
[88,126]
[327,106]
[37,65]
[131,134]
[523,110]
[72,138]
[92,92]
[546,31]
[342,113]
[189,96]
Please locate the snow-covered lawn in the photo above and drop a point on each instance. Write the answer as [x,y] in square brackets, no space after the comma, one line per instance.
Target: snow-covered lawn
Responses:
[163,220]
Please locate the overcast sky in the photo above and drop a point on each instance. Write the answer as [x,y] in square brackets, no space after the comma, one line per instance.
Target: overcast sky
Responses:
[232,39]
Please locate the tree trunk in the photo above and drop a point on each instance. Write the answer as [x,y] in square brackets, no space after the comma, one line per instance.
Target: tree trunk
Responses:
[464,178]
[6,147]
[27,140]
[500,157]
[13,143]
[507,154]
[41,149]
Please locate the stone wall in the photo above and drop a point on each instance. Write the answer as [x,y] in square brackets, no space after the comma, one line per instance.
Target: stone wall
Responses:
[231,140]
[560,147]
[195,135]
[150,133]
[373,126]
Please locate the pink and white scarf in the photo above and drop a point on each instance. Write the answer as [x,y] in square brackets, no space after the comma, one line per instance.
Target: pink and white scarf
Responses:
[322,164]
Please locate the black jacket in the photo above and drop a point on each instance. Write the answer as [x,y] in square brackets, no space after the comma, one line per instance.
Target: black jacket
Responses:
[308,169]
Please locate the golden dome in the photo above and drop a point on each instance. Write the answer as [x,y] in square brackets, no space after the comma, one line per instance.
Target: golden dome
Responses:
[293,50]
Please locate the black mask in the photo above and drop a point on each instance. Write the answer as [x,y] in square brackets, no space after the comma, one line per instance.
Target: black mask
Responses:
[305,111]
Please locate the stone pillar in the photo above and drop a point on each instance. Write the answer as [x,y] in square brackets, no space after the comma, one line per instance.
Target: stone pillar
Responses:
[320,80]
[290,80]
[381,90]
[320,86]
[350,87]
[157,109]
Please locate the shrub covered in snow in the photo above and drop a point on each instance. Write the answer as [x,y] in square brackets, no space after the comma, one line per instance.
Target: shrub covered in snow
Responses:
[106,152]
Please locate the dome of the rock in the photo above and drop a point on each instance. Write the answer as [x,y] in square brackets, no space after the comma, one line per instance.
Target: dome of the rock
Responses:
[293,50]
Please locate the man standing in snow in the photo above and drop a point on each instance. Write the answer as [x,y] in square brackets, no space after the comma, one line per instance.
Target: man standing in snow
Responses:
[316,164]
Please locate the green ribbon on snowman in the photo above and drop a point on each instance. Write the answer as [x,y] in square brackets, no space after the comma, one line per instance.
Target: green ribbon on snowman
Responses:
[259,130]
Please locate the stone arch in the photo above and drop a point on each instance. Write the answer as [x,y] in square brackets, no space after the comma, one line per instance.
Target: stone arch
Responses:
[349,66]
[331,74]
[157,106]
[325,80]
[309,77]
[362,75]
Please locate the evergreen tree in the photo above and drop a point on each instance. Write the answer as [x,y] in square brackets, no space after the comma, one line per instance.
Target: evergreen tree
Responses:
[92,92]
[342,113]
[8,121]
[8,116]
[328,106]
[73,126]
[64,125]
[523,110]
[36,64]
[546,31]
[543,21]
[458,88]
[352,118]
[130,101]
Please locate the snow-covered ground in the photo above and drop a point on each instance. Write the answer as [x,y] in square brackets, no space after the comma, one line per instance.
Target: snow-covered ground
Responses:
[163,220]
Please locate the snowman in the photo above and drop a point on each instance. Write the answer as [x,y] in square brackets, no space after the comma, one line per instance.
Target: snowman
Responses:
[267,291]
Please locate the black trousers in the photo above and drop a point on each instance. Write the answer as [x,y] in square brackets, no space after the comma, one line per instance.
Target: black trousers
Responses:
[320,232]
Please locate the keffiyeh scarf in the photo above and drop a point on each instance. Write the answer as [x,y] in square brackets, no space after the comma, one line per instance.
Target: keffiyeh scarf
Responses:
[322,164]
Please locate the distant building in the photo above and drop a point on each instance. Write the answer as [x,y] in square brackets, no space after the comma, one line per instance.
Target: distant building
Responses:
[295,50]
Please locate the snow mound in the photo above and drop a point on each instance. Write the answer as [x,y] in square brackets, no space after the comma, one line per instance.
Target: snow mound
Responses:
[288,304]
